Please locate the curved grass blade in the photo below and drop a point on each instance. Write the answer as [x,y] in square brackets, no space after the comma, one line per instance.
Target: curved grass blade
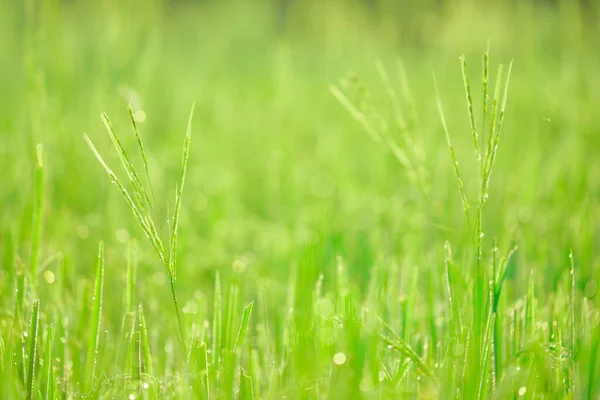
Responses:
[147,227]
[404,348]
[134,179]
[243,327]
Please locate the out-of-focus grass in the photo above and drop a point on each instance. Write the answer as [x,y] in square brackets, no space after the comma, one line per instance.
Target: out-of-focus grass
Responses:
[297,209]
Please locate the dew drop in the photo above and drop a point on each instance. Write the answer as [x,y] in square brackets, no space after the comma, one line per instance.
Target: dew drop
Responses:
[339,358]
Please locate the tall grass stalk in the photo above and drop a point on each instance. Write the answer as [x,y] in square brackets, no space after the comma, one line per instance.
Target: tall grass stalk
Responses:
[94,331]
[32,350]
[141,204]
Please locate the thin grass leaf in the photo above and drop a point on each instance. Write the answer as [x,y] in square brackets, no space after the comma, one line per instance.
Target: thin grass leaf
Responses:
[452,154]
[204,354]
[572,324]
[179,195]
[484,83]
[243,327]
[145,344]
[32,350]
[467,87]
[530,307]
[393,98]
[148,229]
[502,276]
[140,142]
[487,349]
[457,322]
[61,352]
[404,348]
[37,213]
[131,274]
[496,131]
[217,327]
[358,115]
[48,360]
[94,332]
[246,386]
[134,179]
[592,378]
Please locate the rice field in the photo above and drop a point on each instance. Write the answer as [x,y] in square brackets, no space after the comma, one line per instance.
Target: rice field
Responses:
[317,199]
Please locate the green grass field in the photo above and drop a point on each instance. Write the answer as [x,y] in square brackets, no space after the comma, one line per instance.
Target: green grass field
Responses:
[392,201]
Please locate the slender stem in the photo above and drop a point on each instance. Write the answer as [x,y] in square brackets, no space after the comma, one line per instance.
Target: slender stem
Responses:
[174,293]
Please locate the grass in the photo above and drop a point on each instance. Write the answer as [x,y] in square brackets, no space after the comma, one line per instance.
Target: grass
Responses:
[352,226]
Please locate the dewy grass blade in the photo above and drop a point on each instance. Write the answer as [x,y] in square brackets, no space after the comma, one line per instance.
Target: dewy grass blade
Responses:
[243,327]
[184,162]
[483,379]
[404,348]
[485,83]
[94,332]
[452,154]
[217,332]
[48,360]
[140,142]
[142,221]
[134,179]
[32,350]
[467,87]
[145,343]
[457,322]
[498,129]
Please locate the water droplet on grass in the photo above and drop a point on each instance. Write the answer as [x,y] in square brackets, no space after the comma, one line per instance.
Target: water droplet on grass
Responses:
[339,358]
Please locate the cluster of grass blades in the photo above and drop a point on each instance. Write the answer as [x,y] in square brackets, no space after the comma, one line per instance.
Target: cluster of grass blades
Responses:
[476,360]
[318,336]
[141,203]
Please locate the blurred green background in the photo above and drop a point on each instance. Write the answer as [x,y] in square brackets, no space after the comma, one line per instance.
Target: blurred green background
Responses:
[272,148]
[275,157]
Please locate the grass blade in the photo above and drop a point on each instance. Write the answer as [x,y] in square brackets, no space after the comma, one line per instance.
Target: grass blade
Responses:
[138,137]
[37,212]
[217,329]
[404,348]
[467,87]
[94,335]
[32,351]
[452,153]
[391,93]
[148,228]
[179,195]
[145,343]
[49,375]
[134,179]
[243,327]
[131,274]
